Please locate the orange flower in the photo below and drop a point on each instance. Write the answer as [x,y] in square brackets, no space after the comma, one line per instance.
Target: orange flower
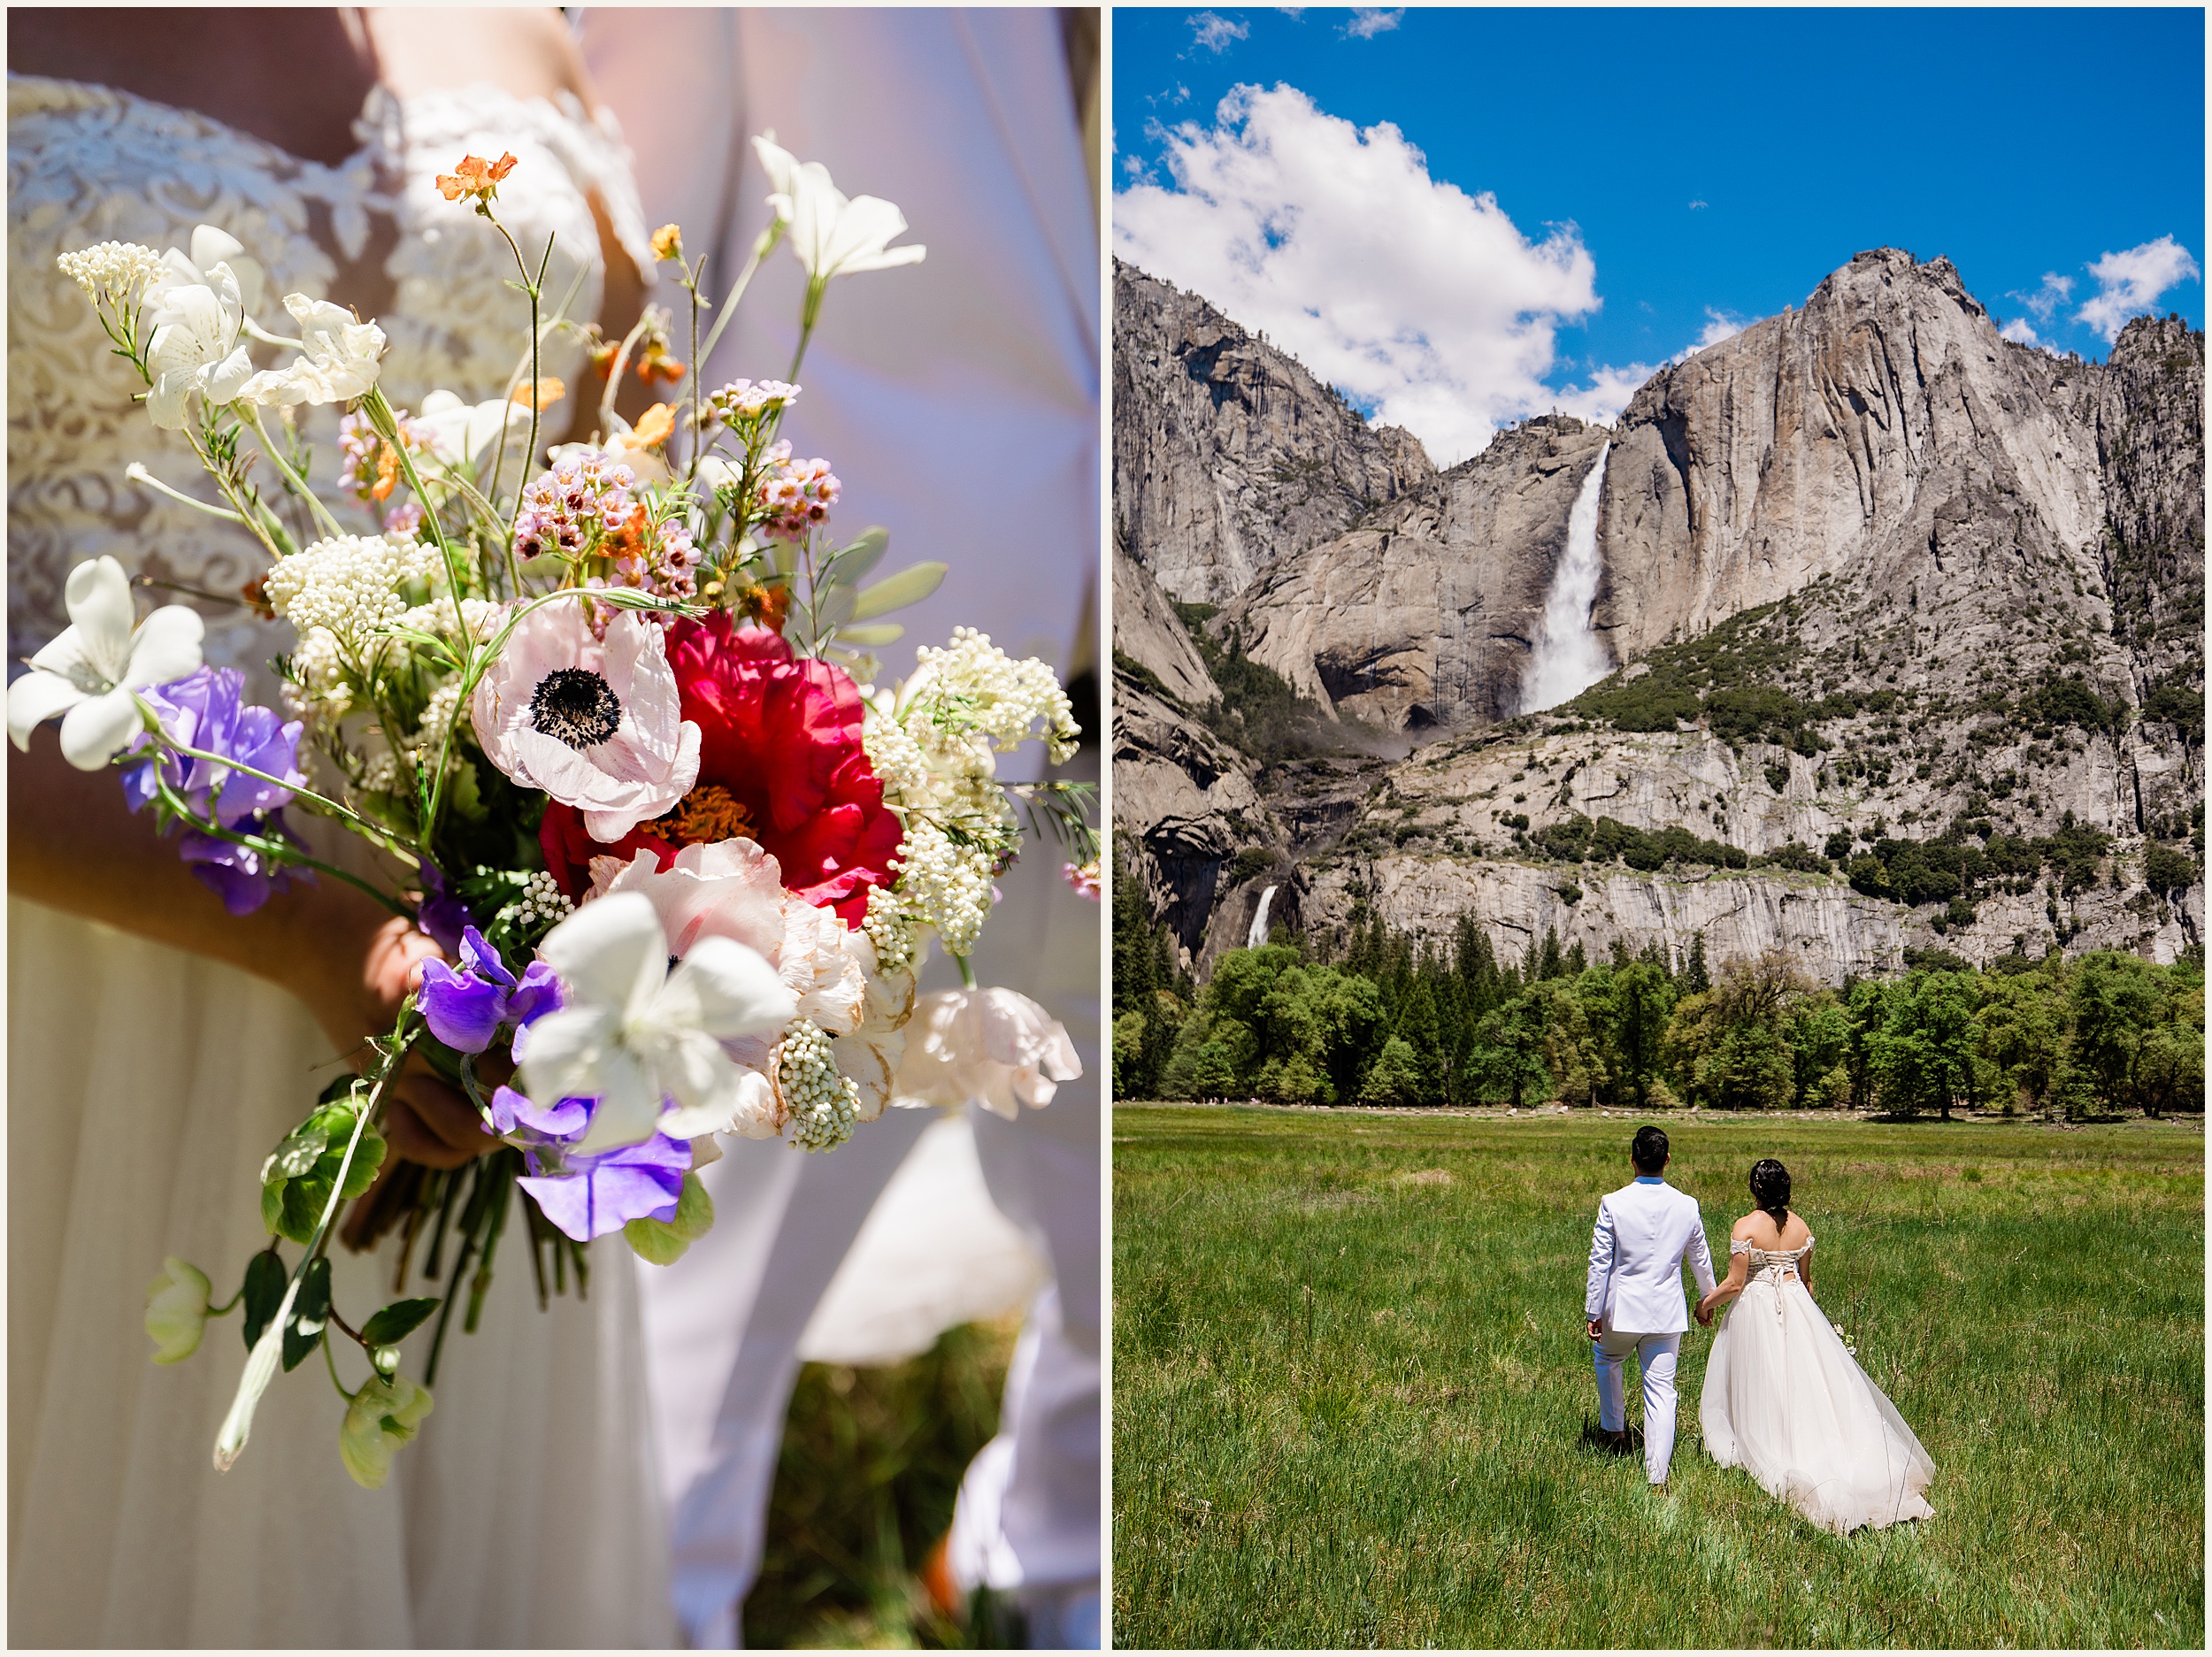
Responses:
[668,243]
[652,428]
[476,176]
[767,605]
[708,814]
[545,392]
[387,473]
[655,363]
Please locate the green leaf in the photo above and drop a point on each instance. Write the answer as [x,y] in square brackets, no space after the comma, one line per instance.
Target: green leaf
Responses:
[694,1210]
[265,1277]
[872,634]
[311,1311]
[397,1321]
[294,1155]
[862,554]
[654,1242]
[910,585]
[663,1242]
[367,1161]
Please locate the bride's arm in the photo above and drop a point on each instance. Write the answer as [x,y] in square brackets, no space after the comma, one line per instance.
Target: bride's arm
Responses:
[1727,1289]
[73,846]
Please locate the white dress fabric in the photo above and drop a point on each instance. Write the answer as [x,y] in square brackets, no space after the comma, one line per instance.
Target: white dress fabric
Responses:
[146,1086]
[958,400]
[1786,1401]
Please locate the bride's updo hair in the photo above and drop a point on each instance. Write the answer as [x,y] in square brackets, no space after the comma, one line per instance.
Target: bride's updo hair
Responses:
[1770,1189]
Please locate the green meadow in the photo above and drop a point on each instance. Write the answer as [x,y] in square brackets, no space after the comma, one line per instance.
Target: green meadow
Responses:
[1351,1383]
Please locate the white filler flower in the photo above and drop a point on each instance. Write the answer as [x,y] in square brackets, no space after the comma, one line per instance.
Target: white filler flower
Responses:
[597,725]
[88,673]
[831,235]
[635,1035]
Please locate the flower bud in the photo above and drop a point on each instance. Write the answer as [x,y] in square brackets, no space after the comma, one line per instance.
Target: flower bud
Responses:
[176,1310]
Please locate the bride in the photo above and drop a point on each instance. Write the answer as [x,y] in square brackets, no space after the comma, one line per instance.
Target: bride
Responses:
[158,1048]
[1785,1399]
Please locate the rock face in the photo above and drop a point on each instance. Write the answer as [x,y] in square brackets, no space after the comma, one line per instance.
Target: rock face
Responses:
[1227,454]
[1872,511]
[1150,634]
[1423,615]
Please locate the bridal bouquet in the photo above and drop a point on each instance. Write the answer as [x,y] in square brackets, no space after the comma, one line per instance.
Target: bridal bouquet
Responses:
[610,716]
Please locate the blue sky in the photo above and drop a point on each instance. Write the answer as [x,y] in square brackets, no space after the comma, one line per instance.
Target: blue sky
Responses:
[1668,174]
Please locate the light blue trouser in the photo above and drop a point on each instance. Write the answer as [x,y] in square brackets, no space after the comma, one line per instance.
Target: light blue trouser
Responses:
[1654,1359]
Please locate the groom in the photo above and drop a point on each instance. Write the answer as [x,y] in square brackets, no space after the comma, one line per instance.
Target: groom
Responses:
[1635,1299]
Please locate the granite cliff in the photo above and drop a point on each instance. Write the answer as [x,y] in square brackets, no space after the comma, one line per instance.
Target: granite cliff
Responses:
[1874,580]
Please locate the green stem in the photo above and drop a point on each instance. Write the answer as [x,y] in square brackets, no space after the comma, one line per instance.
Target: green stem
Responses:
[967,972]
[330,1362]
[298,484]
[362,823]
[272,848]
[261,1363]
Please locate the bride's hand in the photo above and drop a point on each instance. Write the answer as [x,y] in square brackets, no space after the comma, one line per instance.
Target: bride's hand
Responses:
[428,1119]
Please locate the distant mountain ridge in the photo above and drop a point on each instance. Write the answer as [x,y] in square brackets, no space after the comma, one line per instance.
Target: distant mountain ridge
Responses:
[1905,536]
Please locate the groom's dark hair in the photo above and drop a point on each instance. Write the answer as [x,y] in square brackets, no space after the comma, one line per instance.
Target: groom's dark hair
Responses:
[1650,1150]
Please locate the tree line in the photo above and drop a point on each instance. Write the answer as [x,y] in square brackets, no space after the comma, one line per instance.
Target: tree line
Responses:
[1375,1017]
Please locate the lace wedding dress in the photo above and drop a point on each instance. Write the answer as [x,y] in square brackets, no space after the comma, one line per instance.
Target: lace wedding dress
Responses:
[146,1086]
[1786,1401]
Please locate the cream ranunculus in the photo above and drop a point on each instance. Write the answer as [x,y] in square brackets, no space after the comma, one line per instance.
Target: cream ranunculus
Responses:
[598,726]
[831,235]
[88,673]
[456,434]
[993,1046]
[176,1310]
[383,1415]
[337,361]
[641,1038]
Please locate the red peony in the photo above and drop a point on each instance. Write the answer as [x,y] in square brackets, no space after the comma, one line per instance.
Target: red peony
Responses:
[780,760]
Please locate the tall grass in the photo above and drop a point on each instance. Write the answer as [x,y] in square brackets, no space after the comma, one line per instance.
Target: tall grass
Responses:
[1350,1382]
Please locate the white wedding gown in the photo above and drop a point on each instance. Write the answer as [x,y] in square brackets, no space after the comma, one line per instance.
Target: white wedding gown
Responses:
[1786,1401]
[145,1086]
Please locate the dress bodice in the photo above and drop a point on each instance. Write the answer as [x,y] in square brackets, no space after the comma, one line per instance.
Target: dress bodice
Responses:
[1772,1265]
[89,164]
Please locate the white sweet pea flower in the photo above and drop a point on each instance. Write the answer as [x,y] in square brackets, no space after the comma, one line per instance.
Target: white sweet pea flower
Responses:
[176,1310]
[993,1046]
[216,257]
[90,670]
[831,235]
[195,348]
[337,361]
[456,434]
[642,1039]
[380,1418]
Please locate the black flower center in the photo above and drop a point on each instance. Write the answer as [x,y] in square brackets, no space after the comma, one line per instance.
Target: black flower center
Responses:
[575,705]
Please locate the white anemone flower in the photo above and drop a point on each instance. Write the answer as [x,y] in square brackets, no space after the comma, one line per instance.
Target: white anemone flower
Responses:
[598,726]
[643,1039]
[89,671]
[832,235]
[337,362]
[993,1046]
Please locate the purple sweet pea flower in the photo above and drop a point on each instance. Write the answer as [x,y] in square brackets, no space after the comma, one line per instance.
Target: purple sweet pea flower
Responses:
[244,879]
[206,709]
[590,1195]
[604,1192]
[464,1010]
[441,915]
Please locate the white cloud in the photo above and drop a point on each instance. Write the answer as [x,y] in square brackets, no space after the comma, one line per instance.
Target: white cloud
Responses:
[1416,299]
[1368,21]
[1718,325]
[1215,33]
[1606,394]
[2018,331]
[2129,283]
[2046,300]
[1694,206]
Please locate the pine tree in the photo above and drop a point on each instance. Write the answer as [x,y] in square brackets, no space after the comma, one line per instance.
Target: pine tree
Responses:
[1695,979]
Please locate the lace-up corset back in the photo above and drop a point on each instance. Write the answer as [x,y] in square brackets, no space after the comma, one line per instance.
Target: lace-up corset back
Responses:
[1772,1265]
[89,164]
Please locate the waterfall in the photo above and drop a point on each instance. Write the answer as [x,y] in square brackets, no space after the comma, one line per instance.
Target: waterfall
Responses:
[1258,934]
[1568,659]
